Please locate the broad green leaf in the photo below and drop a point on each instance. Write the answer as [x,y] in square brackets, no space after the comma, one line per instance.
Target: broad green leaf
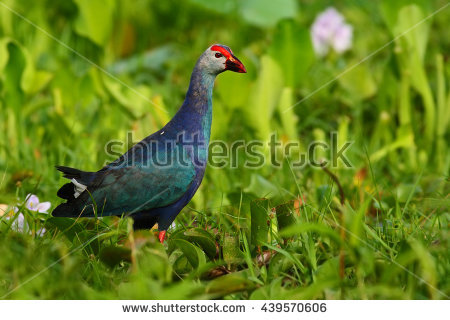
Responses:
[181,265]
[417,37]
[428,265]
[264,97]
[131,102]
[399,15]
[405,191]
[358,82]
[278,264]
[204,239]
[285,215]
[233,89]
[403,141]
[67,226]
[230,249]
[154,60]
[266,13]
[288,117]
[95,19]
[198,236]
[113,255]
[194,255]
[355,221]
[260,221]
[4,53]
[292,50]
[12,74]
[262,187]
[33,80]
[311,227]
[327,271]
[436,203]
[233,282]
[291,256]
[217,5]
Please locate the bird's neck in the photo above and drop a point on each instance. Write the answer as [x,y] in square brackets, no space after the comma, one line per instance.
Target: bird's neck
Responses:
[195,115]
[199,94]
[196,111]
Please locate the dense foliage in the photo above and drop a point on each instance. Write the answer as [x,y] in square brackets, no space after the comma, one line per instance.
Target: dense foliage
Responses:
[75,75]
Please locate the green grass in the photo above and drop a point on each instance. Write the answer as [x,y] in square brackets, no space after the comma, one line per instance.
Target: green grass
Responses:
[245,235]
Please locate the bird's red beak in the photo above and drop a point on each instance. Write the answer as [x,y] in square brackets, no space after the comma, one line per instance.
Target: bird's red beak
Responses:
[234,64]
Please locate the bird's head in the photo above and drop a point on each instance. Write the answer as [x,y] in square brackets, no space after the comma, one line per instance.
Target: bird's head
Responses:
[219,58]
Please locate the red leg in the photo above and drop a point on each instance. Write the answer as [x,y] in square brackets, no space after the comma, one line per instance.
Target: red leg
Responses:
[161,236]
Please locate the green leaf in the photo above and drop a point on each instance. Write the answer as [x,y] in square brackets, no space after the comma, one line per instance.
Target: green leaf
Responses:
[311,227]
[181,265]
[194,255]
[416,38]
[67,226]
[259,209]
[95,19]
[201,237]
[428,265]
[33,80]
[219,6]
[204,239]
[265,97]
[278,264]
[230,249]
[266,13]
[291,256]
[113,255]
[405,191]
[358,82]
[4,53]
[355,222]
[261,187]
[292,49]
[12,73]
[232,89]
[233,282]
[131,103]
[288,117]
[285,215]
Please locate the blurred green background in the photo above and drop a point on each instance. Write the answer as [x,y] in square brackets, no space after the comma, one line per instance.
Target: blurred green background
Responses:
[77,74]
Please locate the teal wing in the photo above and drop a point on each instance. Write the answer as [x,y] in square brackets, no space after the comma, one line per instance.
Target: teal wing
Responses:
[133,188]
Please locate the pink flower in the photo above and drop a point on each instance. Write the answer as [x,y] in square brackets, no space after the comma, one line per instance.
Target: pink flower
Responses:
[33,204]
[330,30]
[19,223]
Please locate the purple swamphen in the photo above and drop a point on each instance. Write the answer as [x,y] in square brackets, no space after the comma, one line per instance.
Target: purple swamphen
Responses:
[156,178]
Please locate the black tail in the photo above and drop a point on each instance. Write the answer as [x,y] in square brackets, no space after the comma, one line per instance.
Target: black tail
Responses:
[83,177]
[65,210]
[67,191]
[74,206]
[70,173]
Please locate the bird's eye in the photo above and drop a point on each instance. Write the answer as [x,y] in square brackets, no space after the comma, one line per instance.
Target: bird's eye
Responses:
[219,55]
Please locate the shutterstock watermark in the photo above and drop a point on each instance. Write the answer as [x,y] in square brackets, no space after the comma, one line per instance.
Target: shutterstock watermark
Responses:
[191,149]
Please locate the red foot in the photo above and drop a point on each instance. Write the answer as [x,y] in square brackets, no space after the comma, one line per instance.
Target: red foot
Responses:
[161,236]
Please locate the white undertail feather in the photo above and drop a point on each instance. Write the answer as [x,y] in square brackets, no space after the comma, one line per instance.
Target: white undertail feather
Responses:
[79,188]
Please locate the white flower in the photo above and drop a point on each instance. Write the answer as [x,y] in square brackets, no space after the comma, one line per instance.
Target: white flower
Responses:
[33,204]
[19,223]
[343,38]
[330,30]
